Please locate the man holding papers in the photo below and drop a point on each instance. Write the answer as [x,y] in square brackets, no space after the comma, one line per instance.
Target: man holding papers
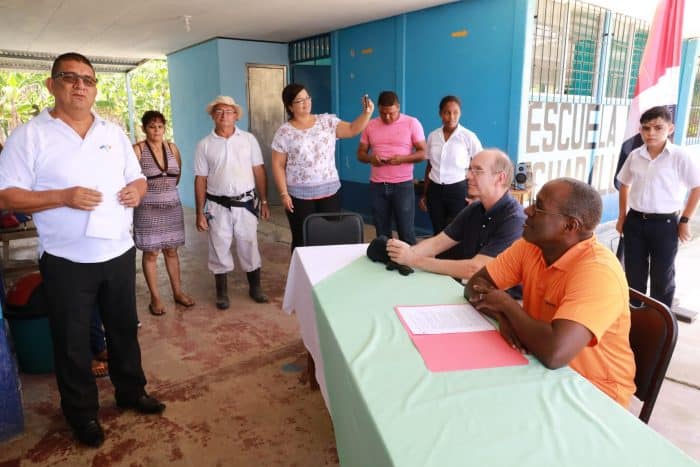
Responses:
[482,230]
[79,175]
[575,297]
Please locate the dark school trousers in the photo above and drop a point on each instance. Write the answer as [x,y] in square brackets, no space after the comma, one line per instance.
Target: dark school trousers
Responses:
[651,245]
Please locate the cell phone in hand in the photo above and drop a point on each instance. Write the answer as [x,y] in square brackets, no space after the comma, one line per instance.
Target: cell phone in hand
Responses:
[365,101]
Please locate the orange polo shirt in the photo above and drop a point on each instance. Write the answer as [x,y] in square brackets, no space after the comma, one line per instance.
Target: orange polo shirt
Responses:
[586,285]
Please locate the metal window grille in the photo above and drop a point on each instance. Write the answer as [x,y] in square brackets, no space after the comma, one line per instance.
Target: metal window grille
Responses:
[693,130]
[628,36]
[569,42]
[311,48]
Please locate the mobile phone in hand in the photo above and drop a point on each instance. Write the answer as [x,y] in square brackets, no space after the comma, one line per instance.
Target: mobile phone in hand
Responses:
[365,101]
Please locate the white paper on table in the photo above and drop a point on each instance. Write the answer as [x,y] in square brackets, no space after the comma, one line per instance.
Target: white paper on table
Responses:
[107,219]
[444,319]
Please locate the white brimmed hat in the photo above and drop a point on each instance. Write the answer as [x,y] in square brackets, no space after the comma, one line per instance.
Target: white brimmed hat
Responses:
[224,100]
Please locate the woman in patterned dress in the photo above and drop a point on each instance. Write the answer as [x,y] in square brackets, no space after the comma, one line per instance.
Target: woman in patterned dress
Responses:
[158,221]
[303,157]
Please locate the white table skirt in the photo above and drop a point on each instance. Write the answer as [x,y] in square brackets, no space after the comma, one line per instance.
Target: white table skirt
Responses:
[309,266]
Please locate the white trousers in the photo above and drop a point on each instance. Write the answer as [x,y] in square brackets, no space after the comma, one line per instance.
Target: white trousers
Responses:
[225,225]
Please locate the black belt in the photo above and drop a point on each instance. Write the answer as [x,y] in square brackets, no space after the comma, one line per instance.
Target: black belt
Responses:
[654,216]
[235,201]
[161,175]
[225,199]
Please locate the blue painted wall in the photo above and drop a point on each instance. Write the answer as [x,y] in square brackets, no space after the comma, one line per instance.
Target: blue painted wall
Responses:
[194,77]
[471,49]
[199,74]
[233,57]
[689,57]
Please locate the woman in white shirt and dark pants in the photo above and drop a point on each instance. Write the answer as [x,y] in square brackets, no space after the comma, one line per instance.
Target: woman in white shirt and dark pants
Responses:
[450,148]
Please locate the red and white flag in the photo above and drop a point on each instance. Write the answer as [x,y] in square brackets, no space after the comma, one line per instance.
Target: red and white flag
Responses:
[659,72]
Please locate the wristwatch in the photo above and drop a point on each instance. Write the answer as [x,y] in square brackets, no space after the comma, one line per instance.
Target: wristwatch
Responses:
[683,220]
[264,202]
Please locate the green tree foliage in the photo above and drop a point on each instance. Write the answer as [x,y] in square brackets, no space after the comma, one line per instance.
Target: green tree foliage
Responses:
[23,95]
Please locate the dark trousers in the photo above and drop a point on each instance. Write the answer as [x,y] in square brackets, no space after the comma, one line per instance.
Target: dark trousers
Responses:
[650,253]
[97,333]
[397,202]
[445,202]
[302,209]
[73,291]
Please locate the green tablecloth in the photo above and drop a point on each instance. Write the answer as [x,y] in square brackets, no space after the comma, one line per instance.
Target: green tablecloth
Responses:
[388,409]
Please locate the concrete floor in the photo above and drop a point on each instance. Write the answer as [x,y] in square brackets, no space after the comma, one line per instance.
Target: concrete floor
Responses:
[235,385]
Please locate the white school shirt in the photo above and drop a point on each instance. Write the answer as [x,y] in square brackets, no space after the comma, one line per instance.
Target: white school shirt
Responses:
[228,162]
[449,160]
[659,185]
[47,154]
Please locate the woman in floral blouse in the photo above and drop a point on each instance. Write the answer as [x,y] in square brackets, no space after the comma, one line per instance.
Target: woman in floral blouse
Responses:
[303,157]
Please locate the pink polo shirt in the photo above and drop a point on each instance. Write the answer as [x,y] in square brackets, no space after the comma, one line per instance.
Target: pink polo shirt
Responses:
[387,141]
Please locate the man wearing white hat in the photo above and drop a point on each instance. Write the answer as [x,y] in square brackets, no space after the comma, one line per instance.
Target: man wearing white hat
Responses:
[230,188]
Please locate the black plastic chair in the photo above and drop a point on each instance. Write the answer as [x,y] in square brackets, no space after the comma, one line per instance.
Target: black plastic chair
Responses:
[333,228]
[653,336]
[330,228]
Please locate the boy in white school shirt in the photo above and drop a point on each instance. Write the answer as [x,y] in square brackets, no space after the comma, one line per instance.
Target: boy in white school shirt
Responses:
[655,179]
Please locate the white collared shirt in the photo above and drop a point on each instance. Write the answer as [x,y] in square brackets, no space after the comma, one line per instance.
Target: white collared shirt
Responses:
[228,162]
[659,185]
[449,160]
[47,154]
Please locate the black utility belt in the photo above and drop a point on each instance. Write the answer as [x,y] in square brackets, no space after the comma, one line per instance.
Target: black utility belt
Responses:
[235,201]
[228,199]
[654,215]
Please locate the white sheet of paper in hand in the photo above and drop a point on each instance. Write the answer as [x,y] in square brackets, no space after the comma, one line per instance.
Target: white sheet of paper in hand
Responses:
[444,319]
[107,219]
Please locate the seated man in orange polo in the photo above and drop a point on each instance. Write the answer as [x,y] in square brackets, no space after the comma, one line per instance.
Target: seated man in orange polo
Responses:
[575,297]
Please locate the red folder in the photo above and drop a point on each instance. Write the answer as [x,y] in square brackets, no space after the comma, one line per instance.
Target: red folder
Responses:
[464,350]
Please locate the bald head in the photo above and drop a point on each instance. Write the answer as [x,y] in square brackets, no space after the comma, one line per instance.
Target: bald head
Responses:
[489,177]
[496,161]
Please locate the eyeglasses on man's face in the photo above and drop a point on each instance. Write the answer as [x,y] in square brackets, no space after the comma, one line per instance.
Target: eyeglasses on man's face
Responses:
[301,100]
[72,78]
[224,111]
[478,172]
[544,211]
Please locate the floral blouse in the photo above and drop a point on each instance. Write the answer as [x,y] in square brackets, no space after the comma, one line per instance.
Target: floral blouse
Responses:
[311,171]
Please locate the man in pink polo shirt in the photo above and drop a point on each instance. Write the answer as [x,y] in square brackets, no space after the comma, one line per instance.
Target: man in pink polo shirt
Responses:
[392,144]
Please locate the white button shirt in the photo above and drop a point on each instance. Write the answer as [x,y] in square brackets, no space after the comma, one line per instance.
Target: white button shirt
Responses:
[449,160]
[46,154]
[228,162]
[659,185]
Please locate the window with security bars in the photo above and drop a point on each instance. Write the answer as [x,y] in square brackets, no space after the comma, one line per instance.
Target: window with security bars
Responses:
[628,36]
[693,130]
[567,52]
[309,49]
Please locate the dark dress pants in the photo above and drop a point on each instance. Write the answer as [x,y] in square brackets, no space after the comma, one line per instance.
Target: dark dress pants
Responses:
[650,253]
[73,291]
[97,333]
[303,208]
[445,202]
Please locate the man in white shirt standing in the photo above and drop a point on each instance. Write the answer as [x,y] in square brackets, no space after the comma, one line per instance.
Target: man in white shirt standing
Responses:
[655,180]
[79,176]
[230,185]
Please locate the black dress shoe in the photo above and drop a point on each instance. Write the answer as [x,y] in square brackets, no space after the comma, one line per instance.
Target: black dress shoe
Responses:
[144,404]
[89,433]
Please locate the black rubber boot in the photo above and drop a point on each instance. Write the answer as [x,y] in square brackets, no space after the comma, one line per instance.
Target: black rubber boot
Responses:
[254,289]
[221,292]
